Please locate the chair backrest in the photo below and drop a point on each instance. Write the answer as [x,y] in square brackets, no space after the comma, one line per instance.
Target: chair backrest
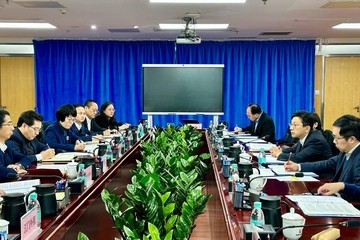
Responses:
[330,140]
[45,125]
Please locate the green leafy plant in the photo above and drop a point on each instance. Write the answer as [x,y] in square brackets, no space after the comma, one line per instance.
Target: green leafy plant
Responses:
[165,194]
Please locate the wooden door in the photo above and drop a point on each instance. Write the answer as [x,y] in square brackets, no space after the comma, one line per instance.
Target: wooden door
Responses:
[342,87]
[17,85]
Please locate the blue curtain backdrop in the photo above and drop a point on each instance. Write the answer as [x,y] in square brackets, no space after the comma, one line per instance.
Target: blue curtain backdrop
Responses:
[278,75]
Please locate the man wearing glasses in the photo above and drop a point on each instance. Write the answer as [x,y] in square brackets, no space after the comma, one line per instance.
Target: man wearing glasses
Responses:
[10,162]
[58,134]
[311,147]
[24,141]
[344,167]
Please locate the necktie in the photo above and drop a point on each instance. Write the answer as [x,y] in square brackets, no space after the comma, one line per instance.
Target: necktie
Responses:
[256,124]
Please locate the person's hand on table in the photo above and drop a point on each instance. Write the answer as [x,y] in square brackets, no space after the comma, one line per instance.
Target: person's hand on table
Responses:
[124,126]
[79,146]
[275,151]
[290,166]
[107,132]
[237,129]
[48,153]
[97,137]
[331,188]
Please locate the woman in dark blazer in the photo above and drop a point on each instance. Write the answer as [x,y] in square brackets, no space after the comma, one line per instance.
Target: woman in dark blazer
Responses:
[106,118]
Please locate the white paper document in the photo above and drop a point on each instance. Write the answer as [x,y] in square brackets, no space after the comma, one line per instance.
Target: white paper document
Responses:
[256,146]
[19,186]
[295,179]
[280,170]
[328,206]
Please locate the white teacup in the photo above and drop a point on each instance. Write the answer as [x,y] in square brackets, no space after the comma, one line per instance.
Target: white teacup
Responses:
[71,169]
[257,182]
[245,157]
[4,228]
[292,219]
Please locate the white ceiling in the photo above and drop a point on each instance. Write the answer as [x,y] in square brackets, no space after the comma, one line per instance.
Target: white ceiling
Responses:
[303,18]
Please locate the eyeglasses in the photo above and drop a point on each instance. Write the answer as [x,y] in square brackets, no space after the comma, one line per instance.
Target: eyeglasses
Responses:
[294,125]
[71,119]
[7,124]
[36,129]
[337,138]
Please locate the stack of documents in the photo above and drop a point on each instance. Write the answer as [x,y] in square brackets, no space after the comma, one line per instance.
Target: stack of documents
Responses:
[255,147]
[66,157]
[280,170]
[19,186]
[328,206]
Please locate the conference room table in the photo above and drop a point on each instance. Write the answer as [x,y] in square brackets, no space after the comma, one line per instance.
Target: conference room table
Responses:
[235,219]
[220,221]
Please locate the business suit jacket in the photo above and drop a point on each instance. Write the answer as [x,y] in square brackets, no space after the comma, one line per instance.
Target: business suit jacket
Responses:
[106,123]
[84,134]
[265,127]
[59,138]
[95,128]
[18,143]
[11,157]
[334,165]
[315,148]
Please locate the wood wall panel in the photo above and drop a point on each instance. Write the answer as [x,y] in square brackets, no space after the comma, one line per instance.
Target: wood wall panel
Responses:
[317,85]
[17,85]
[342,87]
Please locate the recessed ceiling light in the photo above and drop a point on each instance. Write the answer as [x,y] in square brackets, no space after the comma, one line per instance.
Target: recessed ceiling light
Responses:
[347,26]
[165,26]
[135,26]
[33,25]
[197,1]
[93,27]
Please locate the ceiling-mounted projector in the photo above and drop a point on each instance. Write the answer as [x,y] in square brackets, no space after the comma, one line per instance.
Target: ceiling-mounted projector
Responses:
[187,40]
[188,36]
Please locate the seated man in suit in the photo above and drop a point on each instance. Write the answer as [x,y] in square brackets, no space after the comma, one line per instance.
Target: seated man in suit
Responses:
[262,124]
[312,145]
[79,129]
[10,161]
[91,109]
[24,141]
[345,167]
[58,134]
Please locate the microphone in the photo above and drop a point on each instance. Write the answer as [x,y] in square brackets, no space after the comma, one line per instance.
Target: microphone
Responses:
[349,223]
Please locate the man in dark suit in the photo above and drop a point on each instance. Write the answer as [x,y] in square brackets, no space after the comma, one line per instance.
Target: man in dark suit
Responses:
[24,141]
[91,109]
[312,145]
[10,161]
[262,124]
[78,127]
[345,167]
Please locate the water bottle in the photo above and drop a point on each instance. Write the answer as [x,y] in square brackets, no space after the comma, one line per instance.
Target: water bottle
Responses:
[238,195]
[262,157]
[34,203]
[257,215]
[140,130]
[81,173]
[109,155]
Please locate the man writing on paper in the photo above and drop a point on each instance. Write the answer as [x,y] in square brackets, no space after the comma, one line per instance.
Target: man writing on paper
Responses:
[10,161]
[24,141]
[262,124]
[344,167]
[312,145]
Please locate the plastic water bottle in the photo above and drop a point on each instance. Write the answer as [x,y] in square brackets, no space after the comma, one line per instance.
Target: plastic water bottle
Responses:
[109,155]
[257,215]
[34,203]
[140,130]
[262,157]
[81,173]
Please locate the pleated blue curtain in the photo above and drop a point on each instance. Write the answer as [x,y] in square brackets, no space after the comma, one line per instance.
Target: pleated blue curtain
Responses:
[278,75]
[71,71]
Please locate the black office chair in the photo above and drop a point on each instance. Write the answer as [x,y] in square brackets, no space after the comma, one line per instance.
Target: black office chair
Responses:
[45,125]
[330,140]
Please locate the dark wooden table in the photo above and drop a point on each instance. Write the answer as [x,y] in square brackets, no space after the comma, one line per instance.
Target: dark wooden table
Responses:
[236,218]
